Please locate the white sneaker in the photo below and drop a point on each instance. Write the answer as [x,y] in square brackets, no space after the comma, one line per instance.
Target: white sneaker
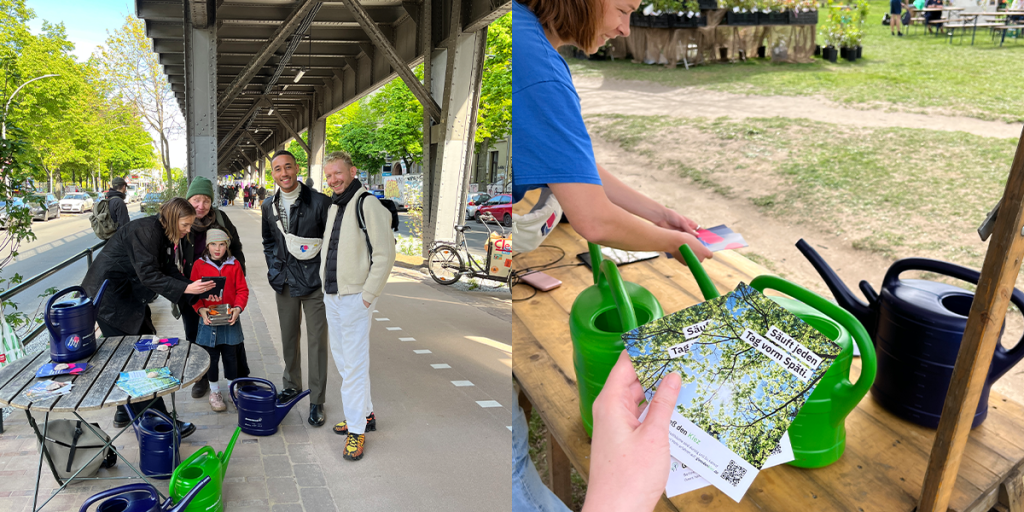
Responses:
[217,402]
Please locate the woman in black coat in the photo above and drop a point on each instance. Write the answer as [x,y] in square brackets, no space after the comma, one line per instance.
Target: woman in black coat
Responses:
[142,261]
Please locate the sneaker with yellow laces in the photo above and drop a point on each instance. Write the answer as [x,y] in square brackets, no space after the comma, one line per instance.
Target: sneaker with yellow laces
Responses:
[342,428]
[354,446]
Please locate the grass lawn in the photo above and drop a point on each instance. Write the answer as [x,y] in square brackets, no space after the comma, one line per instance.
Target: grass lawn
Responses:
[897,191]
[917,73]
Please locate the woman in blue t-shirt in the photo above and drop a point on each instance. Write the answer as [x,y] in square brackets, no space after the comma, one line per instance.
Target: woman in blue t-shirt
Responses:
[551,147]
[550,143]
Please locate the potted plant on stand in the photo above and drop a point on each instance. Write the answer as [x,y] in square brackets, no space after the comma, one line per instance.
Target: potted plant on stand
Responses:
[831,32]
[739,12]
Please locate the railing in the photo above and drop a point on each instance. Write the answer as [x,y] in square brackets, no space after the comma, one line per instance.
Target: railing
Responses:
[24,285]
[87,254]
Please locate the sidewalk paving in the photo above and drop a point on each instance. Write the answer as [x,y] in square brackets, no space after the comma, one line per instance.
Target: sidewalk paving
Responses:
[441,374]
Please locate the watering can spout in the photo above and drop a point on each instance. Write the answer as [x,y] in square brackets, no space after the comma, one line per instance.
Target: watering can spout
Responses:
[283,409]
[842,294]
[184,502]
[707,287]
[225,455]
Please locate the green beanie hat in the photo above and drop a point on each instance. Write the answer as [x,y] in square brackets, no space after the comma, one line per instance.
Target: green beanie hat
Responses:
[200,186]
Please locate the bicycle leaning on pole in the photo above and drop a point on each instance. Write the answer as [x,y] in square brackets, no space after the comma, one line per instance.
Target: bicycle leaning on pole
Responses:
[446,265]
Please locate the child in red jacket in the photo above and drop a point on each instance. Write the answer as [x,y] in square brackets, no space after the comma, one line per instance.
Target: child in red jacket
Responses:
[223,342]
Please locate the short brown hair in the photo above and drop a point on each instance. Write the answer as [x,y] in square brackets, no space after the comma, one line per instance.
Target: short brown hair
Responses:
[575,21]
[171,212]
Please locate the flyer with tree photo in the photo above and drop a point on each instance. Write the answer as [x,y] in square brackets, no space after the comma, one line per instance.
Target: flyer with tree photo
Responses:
[748,366]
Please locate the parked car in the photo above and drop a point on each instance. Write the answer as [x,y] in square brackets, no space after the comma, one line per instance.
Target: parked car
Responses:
[151,203]
[500,206]
[77,202]
[15,203]
[473,202]
[132,194]
[43,206]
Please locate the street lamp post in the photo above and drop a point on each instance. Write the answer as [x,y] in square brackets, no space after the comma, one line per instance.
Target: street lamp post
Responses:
[3,125]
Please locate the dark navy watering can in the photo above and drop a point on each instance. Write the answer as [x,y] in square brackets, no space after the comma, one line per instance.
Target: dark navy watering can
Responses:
[917,327]
[138,498]
[158,443]
[256,400]
[72,324]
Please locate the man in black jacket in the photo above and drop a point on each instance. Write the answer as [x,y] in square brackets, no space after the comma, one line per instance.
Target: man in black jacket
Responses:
[293,264]
[115,202]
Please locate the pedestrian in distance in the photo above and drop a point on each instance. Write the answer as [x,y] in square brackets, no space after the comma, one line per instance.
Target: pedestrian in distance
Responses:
[895,12]
[143,260]
[116,201]
[359,256]
[208,216]
[224,343]
[294,221]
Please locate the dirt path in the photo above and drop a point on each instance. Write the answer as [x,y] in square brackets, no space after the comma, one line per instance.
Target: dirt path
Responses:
[772,240]
[606,96]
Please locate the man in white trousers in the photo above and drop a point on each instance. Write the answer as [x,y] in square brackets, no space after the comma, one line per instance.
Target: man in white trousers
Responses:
[359,251]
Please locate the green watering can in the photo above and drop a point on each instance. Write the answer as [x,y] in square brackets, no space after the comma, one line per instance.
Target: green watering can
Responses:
[818,433]
[600,315]
[203,463]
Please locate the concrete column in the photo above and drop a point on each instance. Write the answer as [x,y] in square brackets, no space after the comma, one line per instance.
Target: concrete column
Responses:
[201,100]
[317,151]
[454,159]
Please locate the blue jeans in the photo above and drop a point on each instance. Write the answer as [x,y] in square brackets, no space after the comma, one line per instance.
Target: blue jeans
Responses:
[528,492]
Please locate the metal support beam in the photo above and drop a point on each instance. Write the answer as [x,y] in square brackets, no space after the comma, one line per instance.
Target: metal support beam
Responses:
[282,33]
[200,100]
[262,153]
[199,13]
[261,103]
[317,145]
[288,126]
[381,42]
[463,78]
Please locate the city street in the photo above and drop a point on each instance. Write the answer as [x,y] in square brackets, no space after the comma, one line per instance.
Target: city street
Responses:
[476,237]
[56,241]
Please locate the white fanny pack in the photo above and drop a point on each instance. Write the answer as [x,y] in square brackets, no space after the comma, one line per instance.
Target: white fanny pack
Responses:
[530,230]
[300,247]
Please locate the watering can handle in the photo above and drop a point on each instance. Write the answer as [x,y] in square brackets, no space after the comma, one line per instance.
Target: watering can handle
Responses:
[707,287]
[186,499]
[627,316]
[1002,360]
[852,392]
[115,491]
[206,450]
[234,383]
[49,303]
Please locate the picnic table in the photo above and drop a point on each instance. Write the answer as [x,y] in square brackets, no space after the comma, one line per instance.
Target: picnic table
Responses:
[96,388]
[884,465]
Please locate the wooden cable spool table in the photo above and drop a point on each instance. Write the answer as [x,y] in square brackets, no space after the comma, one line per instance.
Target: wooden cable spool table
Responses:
[96,388]
[885,461]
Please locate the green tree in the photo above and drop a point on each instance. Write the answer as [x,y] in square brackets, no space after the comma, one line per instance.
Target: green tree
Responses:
[354,129]
[133,69]
[494,118]
[399,117]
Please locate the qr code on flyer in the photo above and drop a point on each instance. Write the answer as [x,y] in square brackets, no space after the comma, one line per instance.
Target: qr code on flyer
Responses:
[733,473]
[777,450]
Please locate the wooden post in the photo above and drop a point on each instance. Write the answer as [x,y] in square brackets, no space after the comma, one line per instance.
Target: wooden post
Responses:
[1002,265]
[559,471]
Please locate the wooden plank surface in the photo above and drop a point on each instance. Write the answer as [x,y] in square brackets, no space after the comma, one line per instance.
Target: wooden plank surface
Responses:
[23,375]
[84,382]
[886,458]
[135,361]
[108,376]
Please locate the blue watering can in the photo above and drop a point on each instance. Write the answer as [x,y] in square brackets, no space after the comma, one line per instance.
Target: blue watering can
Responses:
[259,414]
[917,326]
[158,443]
[138,498]
[72,324]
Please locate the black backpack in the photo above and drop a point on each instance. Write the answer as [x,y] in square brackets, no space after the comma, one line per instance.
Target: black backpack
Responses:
[390,205]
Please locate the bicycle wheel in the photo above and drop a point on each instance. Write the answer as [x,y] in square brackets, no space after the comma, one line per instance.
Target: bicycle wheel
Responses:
[444,264]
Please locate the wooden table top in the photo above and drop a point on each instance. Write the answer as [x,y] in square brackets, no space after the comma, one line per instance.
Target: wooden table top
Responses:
[885,460]
[97,388]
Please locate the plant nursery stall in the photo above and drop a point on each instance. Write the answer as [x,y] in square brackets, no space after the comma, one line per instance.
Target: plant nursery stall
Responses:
[671,32]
